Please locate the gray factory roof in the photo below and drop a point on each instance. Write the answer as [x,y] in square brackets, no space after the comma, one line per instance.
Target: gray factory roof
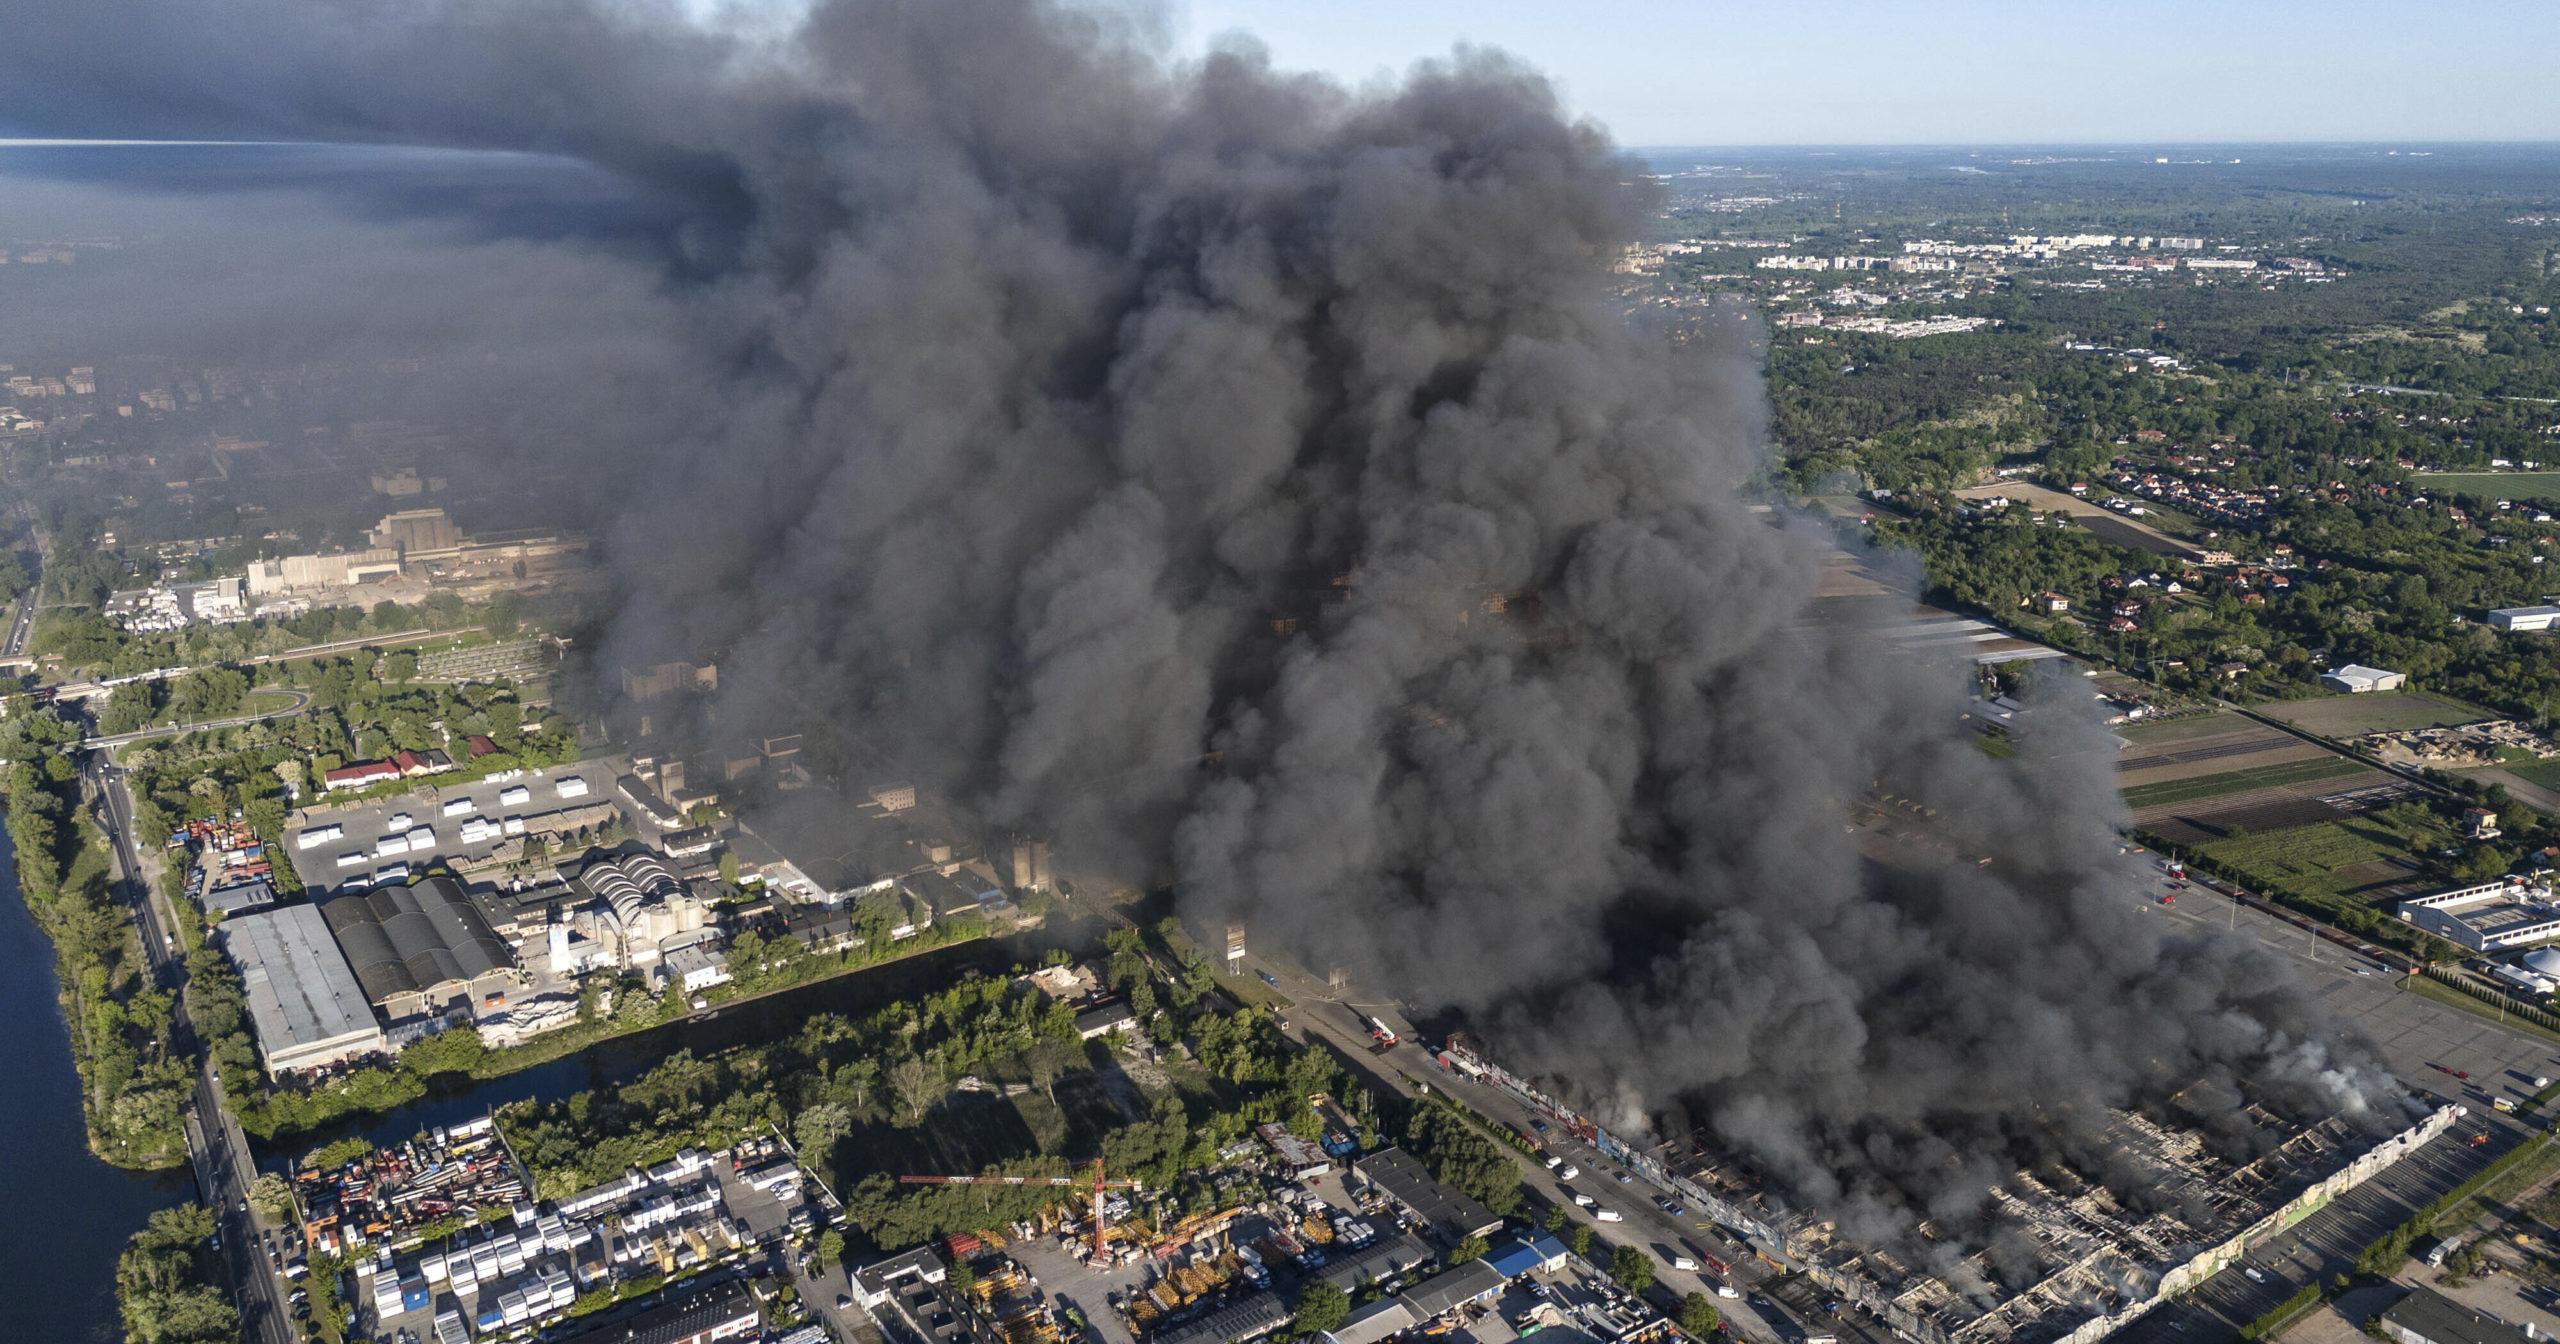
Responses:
[2432,1316]
[1380,1260]
[834,842]
[1451,1216]
[302,995]
[409,940]
[1248,1317]
[240,898]
[1446,1292]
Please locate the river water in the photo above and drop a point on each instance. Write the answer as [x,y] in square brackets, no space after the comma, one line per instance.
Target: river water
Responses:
[64,1214]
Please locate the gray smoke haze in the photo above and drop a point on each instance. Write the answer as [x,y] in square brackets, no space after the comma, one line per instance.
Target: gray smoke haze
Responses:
[1242,477]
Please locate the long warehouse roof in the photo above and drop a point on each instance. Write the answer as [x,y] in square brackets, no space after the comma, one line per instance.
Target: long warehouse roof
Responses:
[300,989]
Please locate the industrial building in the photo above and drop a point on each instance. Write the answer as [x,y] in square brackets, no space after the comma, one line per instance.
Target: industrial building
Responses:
[417,534]
[717,1311]
[304,999]
[2076,1263]
[2426,1316]
[2509,912]
[304,572]
[909,1298]
[422,950]
[639,906]
[1449,1216]
[2524,618]
[818,845]
[1247,1318]
[2357,679]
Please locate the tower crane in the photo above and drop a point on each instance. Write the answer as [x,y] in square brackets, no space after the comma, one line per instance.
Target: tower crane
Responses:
[1100,1255]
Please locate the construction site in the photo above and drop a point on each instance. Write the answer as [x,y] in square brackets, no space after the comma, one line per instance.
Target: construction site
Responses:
[1112,1257]
[2068,1259]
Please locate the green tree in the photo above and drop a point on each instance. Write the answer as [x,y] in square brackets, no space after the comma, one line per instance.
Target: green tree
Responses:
[962,1278]
[1555,1218]
[1473,1248]
[1321,1307]
[819,1129]
[1632,1268]
[729,867]
[271,1197]
[1582,1237]
[1698,1315]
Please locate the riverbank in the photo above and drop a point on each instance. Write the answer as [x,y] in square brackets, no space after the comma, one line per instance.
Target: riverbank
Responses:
[620,1056]
[431,1066]
[76,1210]
[121,1023]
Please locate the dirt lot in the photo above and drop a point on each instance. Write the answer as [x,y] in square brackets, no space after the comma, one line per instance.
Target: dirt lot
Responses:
[2345,716]
[2101,523]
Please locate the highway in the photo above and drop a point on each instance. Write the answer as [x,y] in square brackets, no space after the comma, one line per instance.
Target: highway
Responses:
[223,1163]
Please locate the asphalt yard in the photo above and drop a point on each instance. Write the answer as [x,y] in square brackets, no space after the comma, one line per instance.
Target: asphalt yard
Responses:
[2428,1046]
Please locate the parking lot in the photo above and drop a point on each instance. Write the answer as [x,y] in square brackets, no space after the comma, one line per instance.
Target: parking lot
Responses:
[352,846]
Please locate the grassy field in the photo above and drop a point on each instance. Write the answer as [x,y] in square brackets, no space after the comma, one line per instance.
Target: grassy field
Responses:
[2344,716]
[2172,731]
[2170,791]
[2498,484]
[2544,773]
[2310,860]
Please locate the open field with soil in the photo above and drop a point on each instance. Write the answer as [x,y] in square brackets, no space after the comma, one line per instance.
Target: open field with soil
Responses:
[2131,533]
[2312,767]
[2346,716]
[2263,808]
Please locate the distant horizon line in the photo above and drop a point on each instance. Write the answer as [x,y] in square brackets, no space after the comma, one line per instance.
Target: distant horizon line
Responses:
[1666,147]
[1917,145]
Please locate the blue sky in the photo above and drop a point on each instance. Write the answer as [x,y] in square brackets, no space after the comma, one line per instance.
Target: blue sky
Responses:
[1682,72]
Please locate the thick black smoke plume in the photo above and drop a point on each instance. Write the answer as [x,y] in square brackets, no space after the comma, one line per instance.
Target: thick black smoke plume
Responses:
[1229,473]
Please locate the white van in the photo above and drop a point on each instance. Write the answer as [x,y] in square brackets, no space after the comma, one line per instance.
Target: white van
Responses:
[1683,1262]
[1609,1216]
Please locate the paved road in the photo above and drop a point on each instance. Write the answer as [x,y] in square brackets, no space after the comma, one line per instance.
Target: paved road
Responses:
[1408,1068]
[301,702]
[2425,1044]
[223,1164]
[25,625]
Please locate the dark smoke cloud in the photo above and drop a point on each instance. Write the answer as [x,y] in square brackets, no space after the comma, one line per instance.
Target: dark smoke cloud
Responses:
[1238,476]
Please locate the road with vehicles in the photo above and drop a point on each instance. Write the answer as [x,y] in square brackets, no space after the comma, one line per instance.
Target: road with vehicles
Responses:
[220,1152]
[1410,1069]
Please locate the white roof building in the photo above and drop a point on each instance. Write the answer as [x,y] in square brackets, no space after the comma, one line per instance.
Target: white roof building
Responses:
[2489,916]
[303,996]
[2357,679]
[2524,618]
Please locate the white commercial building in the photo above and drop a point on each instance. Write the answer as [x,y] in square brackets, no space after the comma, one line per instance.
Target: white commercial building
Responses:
[2524,618]
[2506,913]
[2357,679]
